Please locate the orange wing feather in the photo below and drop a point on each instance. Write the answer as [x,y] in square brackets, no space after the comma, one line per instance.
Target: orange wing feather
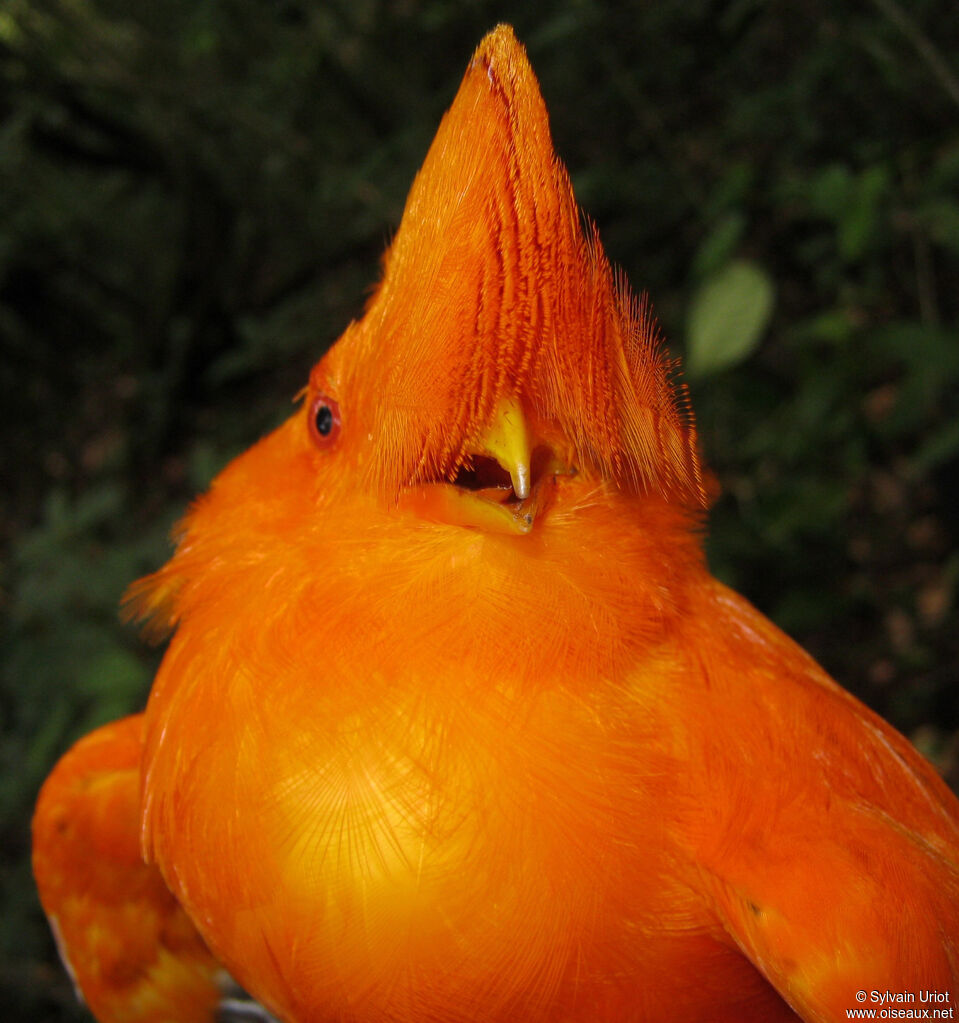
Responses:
[132,952]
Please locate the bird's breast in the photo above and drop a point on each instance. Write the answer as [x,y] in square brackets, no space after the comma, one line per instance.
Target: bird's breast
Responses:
[426,759]
[462,836]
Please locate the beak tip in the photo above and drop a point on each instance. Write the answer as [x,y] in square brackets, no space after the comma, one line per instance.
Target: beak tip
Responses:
[520,479]
[506,440]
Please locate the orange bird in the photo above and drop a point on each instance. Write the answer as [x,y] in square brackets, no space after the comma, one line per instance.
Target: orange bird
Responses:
[455,725]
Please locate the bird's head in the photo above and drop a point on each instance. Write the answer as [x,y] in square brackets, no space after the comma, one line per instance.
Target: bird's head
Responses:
[500,348]
[500,368]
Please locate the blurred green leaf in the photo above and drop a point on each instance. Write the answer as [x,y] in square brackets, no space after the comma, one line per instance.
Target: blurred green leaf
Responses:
[727,317]
[938,449]
[940,218]
[830,191]
[852,202]
[835,326]
[859,217]
[718,246]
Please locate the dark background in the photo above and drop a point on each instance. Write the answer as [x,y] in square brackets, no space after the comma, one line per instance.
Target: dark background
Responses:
[194,196]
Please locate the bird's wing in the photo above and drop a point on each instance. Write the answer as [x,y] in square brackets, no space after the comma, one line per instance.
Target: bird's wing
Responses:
[829,846]
[131,950]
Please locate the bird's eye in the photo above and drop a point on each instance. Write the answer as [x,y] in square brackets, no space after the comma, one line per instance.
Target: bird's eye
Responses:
[324,420]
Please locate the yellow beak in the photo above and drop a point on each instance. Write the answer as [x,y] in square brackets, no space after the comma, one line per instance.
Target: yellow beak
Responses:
[506,440]
[489,508]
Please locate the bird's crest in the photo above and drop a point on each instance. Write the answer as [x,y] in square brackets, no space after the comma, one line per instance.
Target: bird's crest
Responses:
[495,290]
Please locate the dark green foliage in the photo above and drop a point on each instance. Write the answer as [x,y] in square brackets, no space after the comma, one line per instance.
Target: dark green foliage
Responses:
[194,196]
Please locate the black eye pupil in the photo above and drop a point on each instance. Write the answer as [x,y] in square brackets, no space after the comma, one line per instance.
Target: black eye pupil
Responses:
[324,420]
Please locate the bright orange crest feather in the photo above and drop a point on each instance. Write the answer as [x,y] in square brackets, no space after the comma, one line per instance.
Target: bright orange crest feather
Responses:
[492,288]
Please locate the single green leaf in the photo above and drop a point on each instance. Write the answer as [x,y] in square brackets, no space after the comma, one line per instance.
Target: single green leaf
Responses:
[830,190]
[835,325]
[727,317]
[940,218]
[718,246]
[858,218]
[942,446]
